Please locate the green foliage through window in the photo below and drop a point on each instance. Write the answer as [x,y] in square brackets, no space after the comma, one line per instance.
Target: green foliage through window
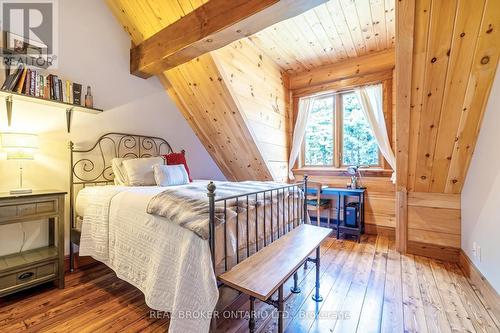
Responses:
[319,135]
[359,146]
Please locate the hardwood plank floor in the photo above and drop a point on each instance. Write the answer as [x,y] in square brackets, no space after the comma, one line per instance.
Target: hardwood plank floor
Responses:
[367,287]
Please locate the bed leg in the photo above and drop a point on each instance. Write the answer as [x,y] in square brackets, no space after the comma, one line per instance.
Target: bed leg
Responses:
[71,257]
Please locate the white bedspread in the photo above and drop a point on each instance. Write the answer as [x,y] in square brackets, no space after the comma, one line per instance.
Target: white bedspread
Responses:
[117,231]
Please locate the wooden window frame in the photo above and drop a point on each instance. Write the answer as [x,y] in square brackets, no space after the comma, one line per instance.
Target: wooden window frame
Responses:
[338,129]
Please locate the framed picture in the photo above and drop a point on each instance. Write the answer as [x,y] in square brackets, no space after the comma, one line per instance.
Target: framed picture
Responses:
[19,49]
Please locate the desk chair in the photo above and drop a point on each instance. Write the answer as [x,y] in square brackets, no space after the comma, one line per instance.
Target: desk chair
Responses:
[315,203]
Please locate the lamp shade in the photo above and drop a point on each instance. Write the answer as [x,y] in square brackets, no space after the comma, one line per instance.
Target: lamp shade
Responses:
[19,146]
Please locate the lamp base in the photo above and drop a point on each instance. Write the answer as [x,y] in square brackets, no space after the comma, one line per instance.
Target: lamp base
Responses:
[21,191]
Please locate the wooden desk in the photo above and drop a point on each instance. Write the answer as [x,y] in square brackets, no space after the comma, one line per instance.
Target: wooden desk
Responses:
[340,194]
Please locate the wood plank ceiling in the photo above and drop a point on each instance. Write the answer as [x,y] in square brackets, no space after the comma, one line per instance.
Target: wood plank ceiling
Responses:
[332,32]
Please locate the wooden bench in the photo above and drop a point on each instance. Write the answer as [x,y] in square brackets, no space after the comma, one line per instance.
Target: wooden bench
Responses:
[260,275]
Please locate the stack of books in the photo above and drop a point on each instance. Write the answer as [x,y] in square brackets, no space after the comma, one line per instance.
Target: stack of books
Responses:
[23,80]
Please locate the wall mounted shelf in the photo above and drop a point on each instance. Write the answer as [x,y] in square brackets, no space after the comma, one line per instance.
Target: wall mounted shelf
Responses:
[11,96]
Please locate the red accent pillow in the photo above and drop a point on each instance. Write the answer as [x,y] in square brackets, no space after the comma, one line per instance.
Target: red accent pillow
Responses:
[177,158]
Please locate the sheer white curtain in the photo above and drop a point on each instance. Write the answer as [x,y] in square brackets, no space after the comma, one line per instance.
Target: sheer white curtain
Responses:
[370,98]
[305,105]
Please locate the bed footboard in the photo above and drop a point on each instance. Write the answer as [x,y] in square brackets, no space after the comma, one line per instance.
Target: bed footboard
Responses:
[241,226]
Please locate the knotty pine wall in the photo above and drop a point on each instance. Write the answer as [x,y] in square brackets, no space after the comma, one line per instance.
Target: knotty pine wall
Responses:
[455,56]
[434,224]
[203,96]
[260,90]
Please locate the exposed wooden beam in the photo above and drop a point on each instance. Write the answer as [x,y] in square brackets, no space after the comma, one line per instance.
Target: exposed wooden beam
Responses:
[367,64]
[405,21]
[211,26]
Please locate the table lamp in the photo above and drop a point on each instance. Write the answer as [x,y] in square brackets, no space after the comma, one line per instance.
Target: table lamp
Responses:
[20,146]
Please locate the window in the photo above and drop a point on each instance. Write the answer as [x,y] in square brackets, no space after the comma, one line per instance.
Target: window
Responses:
[319,136]
[338,134]
[359,143]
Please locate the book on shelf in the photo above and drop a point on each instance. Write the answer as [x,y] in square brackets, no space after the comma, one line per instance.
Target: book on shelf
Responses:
[50,86]
[46,89]
[71,93]
[55,81]
[20,83]
[77,94]
[11,80]
[59,86]
[27,82]
[68,93]
[30,82]
[63,91]
[37,84]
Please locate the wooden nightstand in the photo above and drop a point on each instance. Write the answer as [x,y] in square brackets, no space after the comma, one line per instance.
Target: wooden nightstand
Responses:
[23,270]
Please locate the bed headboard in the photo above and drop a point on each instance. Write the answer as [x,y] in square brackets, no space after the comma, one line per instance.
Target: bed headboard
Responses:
[91,166]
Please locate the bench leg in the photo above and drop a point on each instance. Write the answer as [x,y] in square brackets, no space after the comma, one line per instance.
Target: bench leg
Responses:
[251,322]
[281,308]
[317,297]
[295,289]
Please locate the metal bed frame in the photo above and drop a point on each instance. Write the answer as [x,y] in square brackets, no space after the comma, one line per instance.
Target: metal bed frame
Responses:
[92,167]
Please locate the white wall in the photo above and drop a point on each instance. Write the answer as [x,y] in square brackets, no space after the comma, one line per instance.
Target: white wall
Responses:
[94,50]
[481,194]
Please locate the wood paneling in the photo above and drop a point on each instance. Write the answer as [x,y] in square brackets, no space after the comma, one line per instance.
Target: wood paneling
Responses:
[455,55]
[260,90]
[335,31]
[367,64]
[212,25]
[344,84]
[434,218]
[205,100]
[436,61]
[426,249]
[435,200]
[468,21]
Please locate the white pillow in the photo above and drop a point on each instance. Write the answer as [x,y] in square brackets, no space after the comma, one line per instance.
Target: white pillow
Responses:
[140,170]
[119,171]
[170,175]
